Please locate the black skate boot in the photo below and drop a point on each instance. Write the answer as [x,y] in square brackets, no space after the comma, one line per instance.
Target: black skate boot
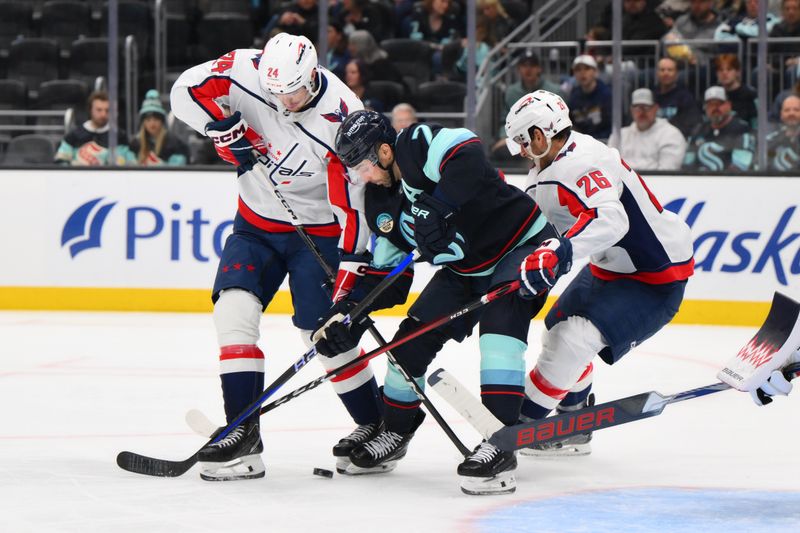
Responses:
[360,435]
[381,453]
[489,470]
[237,456]
[574,446]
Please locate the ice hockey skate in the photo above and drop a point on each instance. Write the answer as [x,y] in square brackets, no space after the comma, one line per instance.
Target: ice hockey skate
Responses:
[573,446]
[488,470]
[360,435]
[381,453]
[237,456]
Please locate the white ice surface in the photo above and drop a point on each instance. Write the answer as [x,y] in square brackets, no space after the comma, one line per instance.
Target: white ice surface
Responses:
[77,388]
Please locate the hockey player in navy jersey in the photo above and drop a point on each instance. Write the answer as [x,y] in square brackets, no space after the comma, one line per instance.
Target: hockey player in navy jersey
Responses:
[281,104]
[431,188]
[640,257]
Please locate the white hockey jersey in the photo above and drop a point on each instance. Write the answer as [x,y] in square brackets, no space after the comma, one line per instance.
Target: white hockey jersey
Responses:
[300,147]
[607,212]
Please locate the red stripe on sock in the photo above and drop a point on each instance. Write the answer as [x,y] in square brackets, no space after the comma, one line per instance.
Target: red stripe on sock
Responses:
[240,351]
[484,393]
[545,386]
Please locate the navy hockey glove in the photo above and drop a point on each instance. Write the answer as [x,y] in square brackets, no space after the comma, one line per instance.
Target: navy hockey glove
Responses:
[235,141]
[332,337]
[541,269]
[434,231]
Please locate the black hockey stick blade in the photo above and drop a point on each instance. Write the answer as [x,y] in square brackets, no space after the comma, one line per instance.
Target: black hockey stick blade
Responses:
[614,413]
[150,466]
[602,416]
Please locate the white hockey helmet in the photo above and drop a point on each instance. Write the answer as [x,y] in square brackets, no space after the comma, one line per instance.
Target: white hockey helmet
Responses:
[542,109]
[288,64]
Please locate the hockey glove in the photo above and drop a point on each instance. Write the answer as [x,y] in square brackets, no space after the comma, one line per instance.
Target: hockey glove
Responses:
[332,337]
[352,268]
[540,270]
[434,231]
[777,384]
[235,141]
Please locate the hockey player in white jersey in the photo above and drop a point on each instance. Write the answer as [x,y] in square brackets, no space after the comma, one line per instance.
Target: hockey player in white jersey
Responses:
[640,257]
[281,104]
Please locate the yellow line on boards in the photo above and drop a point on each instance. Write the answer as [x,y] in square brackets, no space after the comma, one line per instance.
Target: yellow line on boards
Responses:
[709,312]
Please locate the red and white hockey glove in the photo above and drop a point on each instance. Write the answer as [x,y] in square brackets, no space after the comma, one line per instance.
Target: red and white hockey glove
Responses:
[352,268]
[235,140]
[540,270]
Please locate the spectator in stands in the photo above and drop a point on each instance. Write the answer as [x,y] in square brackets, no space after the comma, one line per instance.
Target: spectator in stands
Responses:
[433,21]
[783,145]
[338,52]
[363,46]
[493,23]
[639,22]
[743,99]
[590,100]
[356,78]
[650,143]
[777,103]
[722,143]
[529,71]
[154,145]
[745,24]
[365,15]
[675,102]
[700,22]
[669,10]
[301,17]
[87,144]
[789,26]
[403,115]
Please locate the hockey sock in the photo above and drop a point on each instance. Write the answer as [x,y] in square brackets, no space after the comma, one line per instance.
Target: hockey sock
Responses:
[502,375]
[241,376]
[504,401]
[363,403]
[399,416]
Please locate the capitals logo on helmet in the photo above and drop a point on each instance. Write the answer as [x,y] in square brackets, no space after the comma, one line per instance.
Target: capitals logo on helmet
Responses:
[541,109]
[288,64]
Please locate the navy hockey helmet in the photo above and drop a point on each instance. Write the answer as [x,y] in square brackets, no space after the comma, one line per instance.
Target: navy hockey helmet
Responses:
[360,135]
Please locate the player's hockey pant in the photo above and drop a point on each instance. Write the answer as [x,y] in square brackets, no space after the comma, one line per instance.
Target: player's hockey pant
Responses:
[594,317]
[504,325]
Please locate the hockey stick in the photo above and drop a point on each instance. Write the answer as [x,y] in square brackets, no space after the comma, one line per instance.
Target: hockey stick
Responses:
[301,231]
[559,427]
[141,464]
[151,466]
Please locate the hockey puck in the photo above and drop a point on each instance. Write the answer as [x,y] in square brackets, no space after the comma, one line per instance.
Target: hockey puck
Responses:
[324,473]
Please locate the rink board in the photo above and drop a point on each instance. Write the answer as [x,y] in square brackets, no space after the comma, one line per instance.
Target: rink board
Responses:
[132,240]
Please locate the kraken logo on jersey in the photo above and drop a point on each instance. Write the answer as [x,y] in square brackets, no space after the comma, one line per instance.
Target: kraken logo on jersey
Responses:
[339,115]
[385,222]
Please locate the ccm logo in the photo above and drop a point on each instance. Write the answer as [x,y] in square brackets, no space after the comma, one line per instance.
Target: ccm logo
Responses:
[230,136]
[420,212]
[566,427]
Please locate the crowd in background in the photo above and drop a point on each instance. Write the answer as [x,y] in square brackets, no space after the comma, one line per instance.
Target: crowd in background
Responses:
[692,110]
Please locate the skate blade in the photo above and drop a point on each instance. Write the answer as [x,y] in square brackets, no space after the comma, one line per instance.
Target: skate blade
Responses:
[342,463]
[247,467]
[502,483]
[353,470]
[569,450]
